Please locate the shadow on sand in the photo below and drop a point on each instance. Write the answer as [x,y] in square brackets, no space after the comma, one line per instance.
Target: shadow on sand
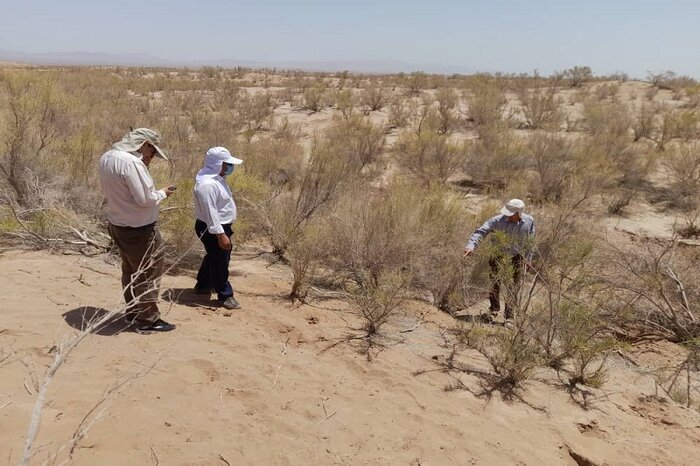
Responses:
[81,317]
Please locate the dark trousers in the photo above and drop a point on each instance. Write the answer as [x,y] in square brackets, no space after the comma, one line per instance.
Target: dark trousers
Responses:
[506,272]
[213,273]
[141,250]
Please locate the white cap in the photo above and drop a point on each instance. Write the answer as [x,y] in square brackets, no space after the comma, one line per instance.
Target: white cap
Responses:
[217,155]
[512,207]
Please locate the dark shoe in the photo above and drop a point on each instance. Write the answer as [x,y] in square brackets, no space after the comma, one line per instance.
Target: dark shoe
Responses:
[205,291]
[158,326]
[231,303]
[130,317]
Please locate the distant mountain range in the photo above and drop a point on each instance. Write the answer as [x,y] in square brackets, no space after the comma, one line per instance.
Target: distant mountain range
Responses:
[140,59]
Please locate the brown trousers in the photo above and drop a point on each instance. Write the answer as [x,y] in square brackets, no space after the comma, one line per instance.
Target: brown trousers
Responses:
[506,272]
[141,250]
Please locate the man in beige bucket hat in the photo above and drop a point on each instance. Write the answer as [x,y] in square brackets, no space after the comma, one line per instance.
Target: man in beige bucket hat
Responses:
[514,249]
[132,210]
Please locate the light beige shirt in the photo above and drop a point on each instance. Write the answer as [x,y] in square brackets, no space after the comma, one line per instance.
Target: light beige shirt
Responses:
[132,200]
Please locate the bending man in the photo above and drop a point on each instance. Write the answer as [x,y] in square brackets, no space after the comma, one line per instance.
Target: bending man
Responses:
[215,211]
[517,231]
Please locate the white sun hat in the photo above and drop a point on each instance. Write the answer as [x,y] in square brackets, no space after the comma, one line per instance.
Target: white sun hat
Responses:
[213,159]
[512,207]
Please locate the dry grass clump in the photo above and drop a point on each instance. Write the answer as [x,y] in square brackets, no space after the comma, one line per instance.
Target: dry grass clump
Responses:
[540,103]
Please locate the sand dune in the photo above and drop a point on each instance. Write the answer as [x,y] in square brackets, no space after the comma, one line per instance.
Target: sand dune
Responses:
[255,386]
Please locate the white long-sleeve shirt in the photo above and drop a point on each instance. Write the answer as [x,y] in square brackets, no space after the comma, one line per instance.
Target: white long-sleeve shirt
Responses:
[132,200]
[213,203]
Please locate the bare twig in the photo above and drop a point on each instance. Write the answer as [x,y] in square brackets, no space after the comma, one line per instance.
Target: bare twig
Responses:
[284,352]
[221,457]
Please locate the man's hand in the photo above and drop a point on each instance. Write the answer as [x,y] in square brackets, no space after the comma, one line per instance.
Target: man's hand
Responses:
[170,190]
[467,251]
[224,241]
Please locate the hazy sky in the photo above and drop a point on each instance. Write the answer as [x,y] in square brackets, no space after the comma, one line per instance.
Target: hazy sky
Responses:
[634,36]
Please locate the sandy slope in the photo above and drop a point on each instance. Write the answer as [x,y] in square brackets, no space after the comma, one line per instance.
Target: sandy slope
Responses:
[222,389]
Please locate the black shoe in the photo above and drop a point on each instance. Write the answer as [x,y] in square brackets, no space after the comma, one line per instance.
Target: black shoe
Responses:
[231,303]
[130,317]
[205,291]
[158,326]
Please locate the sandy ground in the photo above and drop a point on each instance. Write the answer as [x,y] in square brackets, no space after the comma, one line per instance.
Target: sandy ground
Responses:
[256,387]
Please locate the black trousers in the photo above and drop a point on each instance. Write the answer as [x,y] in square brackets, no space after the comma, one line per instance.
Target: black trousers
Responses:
[506,272]
[213,273]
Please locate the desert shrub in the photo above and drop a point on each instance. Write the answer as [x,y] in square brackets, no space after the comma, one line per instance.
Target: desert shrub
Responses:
[670,80]
[346,102]
[540,105]
[686,124]
[328,170]
[513,356]
[578,75]
[607,91]
[683,165]
[256,109]
[551,157]
[486,104]
[276,161]
[442,230]
[658,124]
[357,139]
[416,82]
[429,156]
[447,101]
[373,246]
[399,112]
[495,156]
[373,98]
[664,285]
[314,98]
[36,117]
[422,115]
[606,118]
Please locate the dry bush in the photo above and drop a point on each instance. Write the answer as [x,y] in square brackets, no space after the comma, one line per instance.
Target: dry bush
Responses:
[495,157]
[345,102]
[683,165]
[578,75]
[373,242]
[540,104]
[447,102]
[486,104]
[357,139]
[607,91]
[329,169]
[551,157]
[569,315]
[256,109]
[442,230]
[514,356]
[399,112]
[431,157]
[373,98]
[275,161]
[314,98]
[34,121]
[422,115]
[659,124]
[602,118]
[416,82]
[662,283]
[670,80]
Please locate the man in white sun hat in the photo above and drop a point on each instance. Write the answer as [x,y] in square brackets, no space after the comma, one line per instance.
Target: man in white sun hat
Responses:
[132,209]
[512,251]
[215,210]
